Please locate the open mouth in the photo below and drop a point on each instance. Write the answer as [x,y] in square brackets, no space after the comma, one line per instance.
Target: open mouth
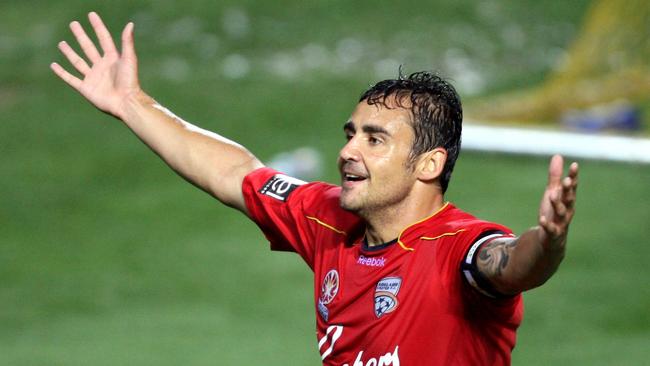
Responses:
[352,178]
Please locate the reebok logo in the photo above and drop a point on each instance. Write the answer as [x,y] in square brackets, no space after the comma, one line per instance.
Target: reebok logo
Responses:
[371,262]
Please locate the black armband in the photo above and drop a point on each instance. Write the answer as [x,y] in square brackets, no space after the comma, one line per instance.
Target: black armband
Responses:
[469,267]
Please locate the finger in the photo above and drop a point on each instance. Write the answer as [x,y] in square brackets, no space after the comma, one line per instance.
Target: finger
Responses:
[76,61]
[550,228]
[555,168]
[86,44]
[558,206]
[71,80]
[569,186]
[103,35]
[573,170]
[128,46]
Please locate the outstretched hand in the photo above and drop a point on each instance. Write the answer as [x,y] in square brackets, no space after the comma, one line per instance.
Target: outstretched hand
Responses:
[558,203]
[106,80]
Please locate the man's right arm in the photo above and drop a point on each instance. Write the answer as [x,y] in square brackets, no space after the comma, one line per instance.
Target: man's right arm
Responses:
[205,159]
[110,82]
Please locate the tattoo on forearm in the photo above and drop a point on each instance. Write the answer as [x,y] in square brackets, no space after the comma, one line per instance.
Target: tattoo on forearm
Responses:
[493,258]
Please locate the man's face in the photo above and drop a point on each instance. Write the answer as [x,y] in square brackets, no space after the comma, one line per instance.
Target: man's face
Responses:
[374,163]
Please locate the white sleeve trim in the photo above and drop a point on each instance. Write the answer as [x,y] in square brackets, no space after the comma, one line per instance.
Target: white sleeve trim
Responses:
[476,245]
[469,260]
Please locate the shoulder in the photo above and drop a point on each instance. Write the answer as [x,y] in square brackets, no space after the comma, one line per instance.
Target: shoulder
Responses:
[317,202]
[268,182]
[465,225]
[459,216]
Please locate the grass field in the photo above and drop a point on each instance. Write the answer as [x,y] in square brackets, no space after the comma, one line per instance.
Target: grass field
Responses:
[108,258]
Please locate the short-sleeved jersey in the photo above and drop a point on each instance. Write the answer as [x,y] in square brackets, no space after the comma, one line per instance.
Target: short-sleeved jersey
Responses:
[401,303]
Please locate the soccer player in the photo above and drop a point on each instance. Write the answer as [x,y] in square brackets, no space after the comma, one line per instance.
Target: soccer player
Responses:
[400,275]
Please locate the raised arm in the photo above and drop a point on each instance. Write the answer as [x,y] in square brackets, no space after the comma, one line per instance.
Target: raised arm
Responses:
[513,265]
[109,81]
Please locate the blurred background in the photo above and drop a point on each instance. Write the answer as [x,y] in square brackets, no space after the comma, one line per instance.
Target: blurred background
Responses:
[107,257]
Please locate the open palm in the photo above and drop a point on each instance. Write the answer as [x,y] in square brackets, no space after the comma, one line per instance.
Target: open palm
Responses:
[557,206]
[108,79]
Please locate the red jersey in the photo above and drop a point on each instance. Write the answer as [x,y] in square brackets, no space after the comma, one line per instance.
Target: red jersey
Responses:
[408,302]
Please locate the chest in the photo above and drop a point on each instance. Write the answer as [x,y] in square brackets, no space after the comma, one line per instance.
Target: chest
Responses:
[363,288]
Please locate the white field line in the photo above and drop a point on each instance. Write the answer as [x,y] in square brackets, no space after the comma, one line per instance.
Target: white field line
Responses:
[545,142]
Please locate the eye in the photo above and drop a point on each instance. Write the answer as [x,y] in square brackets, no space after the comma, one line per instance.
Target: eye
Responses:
[374,141]
[348,136]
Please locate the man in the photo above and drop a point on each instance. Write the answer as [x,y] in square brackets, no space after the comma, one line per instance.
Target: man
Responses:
[400,275]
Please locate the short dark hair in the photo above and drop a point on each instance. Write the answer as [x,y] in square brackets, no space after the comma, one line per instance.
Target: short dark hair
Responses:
[437,113]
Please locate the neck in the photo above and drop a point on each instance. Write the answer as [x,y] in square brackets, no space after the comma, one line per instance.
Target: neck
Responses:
[386,224]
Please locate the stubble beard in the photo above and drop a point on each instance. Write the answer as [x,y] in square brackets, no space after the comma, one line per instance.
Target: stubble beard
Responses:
[370,204]
[357,203]
[349,203]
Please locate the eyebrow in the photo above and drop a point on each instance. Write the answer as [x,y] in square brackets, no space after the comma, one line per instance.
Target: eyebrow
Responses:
[349,126]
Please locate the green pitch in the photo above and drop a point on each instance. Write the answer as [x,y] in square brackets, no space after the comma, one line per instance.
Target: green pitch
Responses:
[106,257]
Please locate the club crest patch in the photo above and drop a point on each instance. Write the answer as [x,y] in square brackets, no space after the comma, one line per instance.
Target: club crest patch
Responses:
[386,295]
[280,186]
[328,291]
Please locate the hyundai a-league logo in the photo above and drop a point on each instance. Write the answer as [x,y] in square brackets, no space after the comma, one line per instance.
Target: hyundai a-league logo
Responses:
[328,291]
[330,287]
[386,295]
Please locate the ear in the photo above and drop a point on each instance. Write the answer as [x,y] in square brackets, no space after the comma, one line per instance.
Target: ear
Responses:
[431,164]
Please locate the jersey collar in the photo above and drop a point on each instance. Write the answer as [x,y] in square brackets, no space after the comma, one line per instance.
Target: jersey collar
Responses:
[404,233]
[418,223]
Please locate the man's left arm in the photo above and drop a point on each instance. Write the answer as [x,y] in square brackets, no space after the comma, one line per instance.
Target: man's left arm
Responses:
[513,265]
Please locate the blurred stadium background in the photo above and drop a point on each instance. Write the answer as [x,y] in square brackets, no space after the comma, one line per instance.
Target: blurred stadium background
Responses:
[106,257]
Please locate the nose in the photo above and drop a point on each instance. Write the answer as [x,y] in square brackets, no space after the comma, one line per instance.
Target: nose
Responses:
[349,151]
